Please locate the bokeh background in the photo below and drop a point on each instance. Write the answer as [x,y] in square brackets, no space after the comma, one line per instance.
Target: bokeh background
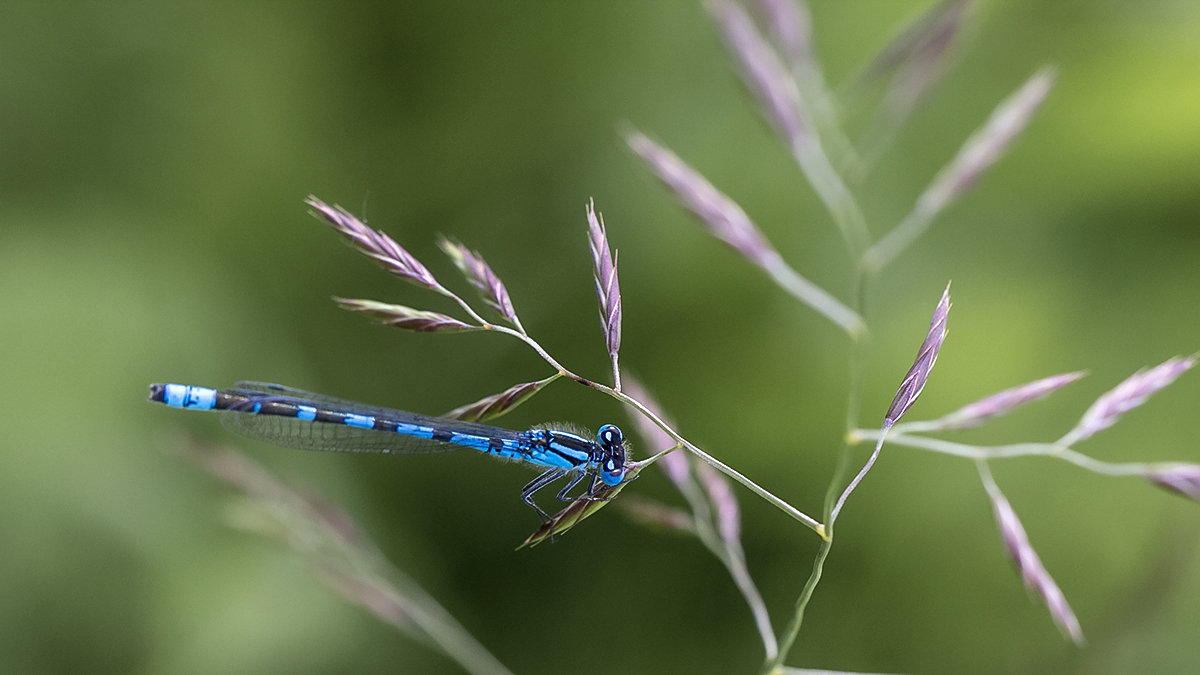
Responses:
[153,162]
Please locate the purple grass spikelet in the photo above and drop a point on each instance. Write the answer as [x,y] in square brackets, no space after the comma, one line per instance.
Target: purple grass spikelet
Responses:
[726,221]
[1033,573]
[1183,479]
[724,502]
[722,216]
[657,514]
[919,52]
[380,600]
[493,406]
[765,76]
[580,509]
[910,389]
[987,145]
[480,276]
[790,26]
[608,289]
[1126,396]
[375,244]
[675,464]
[914,380]
[407,318]
[1004,402]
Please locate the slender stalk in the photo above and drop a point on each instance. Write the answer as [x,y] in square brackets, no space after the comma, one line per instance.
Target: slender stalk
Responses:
[792,631]
[787,508]
[832,190]
[858,359]
[854,483]
[979,452]
[897,437]
[733,560]
[1098,466]
[441,627]
[896,241]
[814,296]
[782,505]
[442,290]
[533,344]
[857,375]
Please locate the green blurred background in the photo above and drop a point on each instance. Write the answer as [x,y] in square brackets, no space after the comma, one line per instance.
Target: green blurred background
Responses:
[153,162]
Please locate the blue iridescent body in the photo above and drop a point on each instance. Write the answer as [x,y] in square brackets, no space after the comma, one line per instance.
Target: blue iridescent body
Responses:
[298,419]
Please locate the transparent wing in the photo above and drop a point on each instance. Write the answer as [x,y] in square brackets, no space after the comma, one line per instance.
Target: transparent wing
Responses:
[280,391]
[293,432]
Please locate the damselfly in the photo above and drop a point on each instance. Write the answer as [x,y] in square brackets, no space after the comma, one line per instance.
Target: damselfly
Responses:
[298,419]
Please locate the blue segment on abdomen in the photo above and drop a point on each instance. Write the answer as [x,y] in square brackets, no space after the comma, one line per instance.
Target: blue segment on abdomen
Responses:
[413,430]
[186,396]
[306,412]
[359,421]
[482,443]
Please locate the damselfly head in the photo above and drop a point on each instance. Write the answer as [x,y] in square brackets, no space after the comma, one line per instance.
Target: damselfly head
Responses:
[612,441]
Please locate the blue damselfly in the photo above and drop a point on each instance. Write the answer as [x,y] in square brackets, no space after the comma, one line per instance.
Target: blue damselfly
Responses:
[298,419]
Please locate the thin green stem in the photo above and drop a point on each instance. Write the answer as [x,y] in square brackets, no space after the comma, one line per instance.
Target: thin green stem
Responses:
[989,483]
[524,337]
[814,296]
[782,505]
[442,290]
[862,473]
[983,453]
[735,562]
[838,477]
[900,237]
[792,631]
[517,322]
[832,190]
[732,557]
[439,625]
[857,365]
[787,508]
[857,368]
